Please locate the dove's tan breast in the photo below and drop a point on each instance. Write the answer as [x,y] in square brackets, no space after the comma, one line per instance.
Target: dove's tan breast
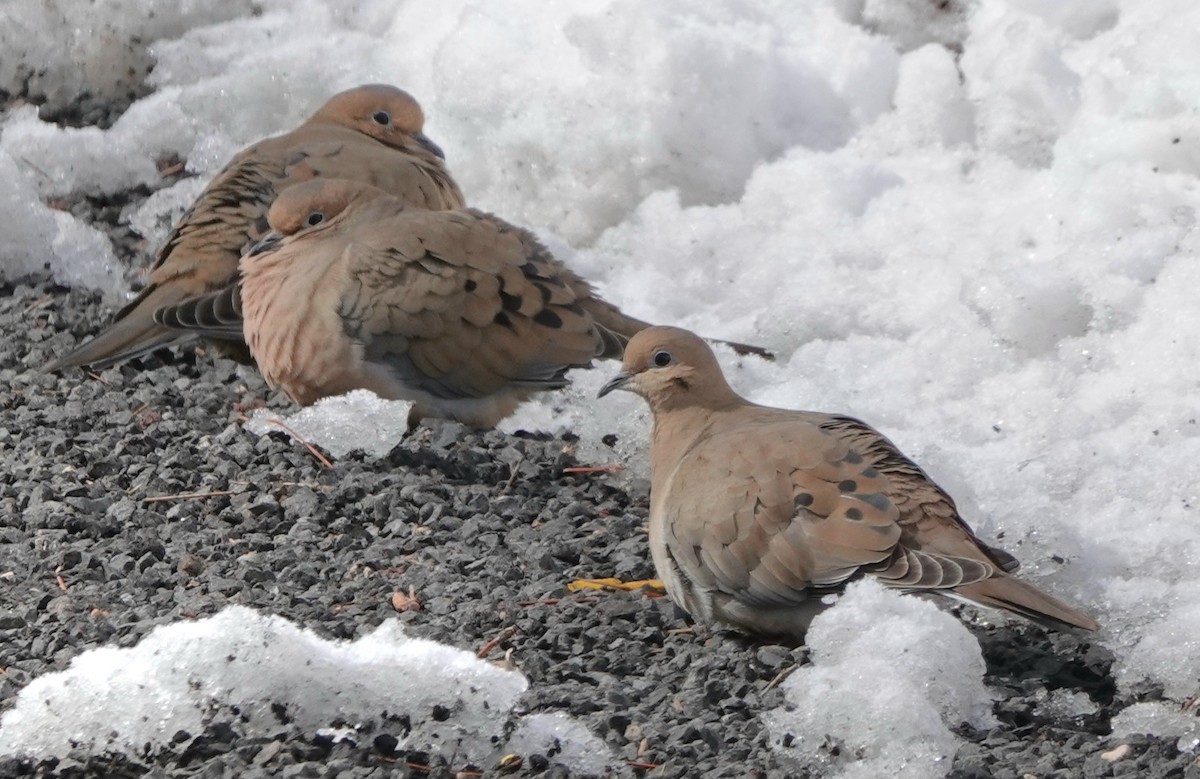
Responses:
[290,305]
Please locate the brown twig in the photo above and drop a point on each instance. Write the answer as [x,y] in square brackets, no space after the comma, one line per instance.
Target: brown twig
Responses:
[186,496]
[594,468]
[542,602]
[40,303]
[516,471]
[315,452]
[491,644]
[779,677]
[556,601]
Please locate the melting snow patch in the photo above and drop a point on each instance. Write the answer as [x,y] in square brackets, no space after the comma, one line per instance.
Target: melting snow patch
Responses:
[564,740]
[356,421]
[890,676]
[178,675]
[1159,719]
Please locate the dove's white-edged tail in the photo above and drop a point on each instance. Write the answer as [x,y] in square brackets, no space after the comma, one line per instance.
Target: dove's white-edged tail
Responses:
[132,334]
[1018,596]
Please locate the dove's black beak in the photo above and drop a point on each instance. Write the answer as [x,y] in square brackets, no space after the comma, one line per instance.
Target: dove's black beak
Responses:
[615,383]
[265,244]
[428,145]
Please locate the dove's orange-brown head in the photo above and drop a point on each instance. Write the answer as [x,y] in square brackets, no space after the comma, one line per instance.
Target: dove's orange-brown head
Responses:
[672,368]
[386,113]
[320,206]
[322,203]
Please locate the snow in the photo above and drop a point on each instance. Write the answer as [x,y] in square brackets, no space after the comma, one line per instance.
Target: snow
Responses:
[974,228]
[1160,718]
[566,741]
[890,675]
[186,674]
[356,421]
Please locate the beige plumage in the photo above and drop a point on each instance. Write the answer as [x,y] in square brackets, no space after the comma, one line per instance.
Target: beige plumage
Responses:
[756,512]
[372,133]
[459,311]
[456,310]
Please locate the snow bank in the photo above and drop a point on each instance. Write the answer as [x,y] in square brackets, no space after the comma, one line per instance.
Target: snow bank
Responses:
[890,675]
[182,676]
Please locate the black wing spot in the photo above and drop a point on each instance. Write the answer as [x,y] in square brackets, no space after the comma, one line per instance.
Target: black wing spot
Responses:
[853,514]
[510,302]
[853,457]
[848,485]
[876,500]
[503,320]
[547,318]
[802,501]
[870,472]
[470,285]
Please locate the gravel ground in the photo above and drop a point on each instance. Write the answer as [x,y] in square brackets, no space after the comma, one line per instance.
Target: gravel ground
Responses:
[485,529]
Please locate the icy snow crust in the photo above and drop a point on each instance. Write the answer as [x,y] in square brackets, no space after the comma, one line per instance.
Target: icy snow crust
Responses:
[179,673]
[989,255]
[895,704]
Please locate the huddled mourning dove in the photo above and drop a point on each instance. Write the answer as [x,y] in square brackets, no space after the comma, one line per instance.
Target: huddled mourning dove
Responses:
[458,311]
[372,133]
[757,512]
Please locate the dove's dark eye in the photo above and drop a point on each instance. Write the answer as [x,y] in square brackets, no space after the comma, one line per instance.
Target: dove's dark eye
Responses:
[314,219]
[382,117]
[662,358]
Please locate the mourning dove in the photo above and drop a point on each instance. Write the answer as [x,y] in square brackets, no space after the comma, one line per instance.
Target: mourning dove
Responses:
[458,311]
[371,133]
[757,512]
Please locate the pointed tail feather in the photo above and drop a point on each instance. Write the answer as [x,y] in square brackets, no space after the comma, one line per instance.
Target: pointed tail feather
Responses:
[217,315]
[132,333]
[1012,594]
[611,317]
[745,349]
[612,344]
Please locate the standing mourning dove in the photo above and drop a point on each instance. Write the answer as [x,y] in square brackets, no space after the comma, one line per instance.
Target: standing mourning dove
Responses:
[757,512]
[458,311]
[371,133]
